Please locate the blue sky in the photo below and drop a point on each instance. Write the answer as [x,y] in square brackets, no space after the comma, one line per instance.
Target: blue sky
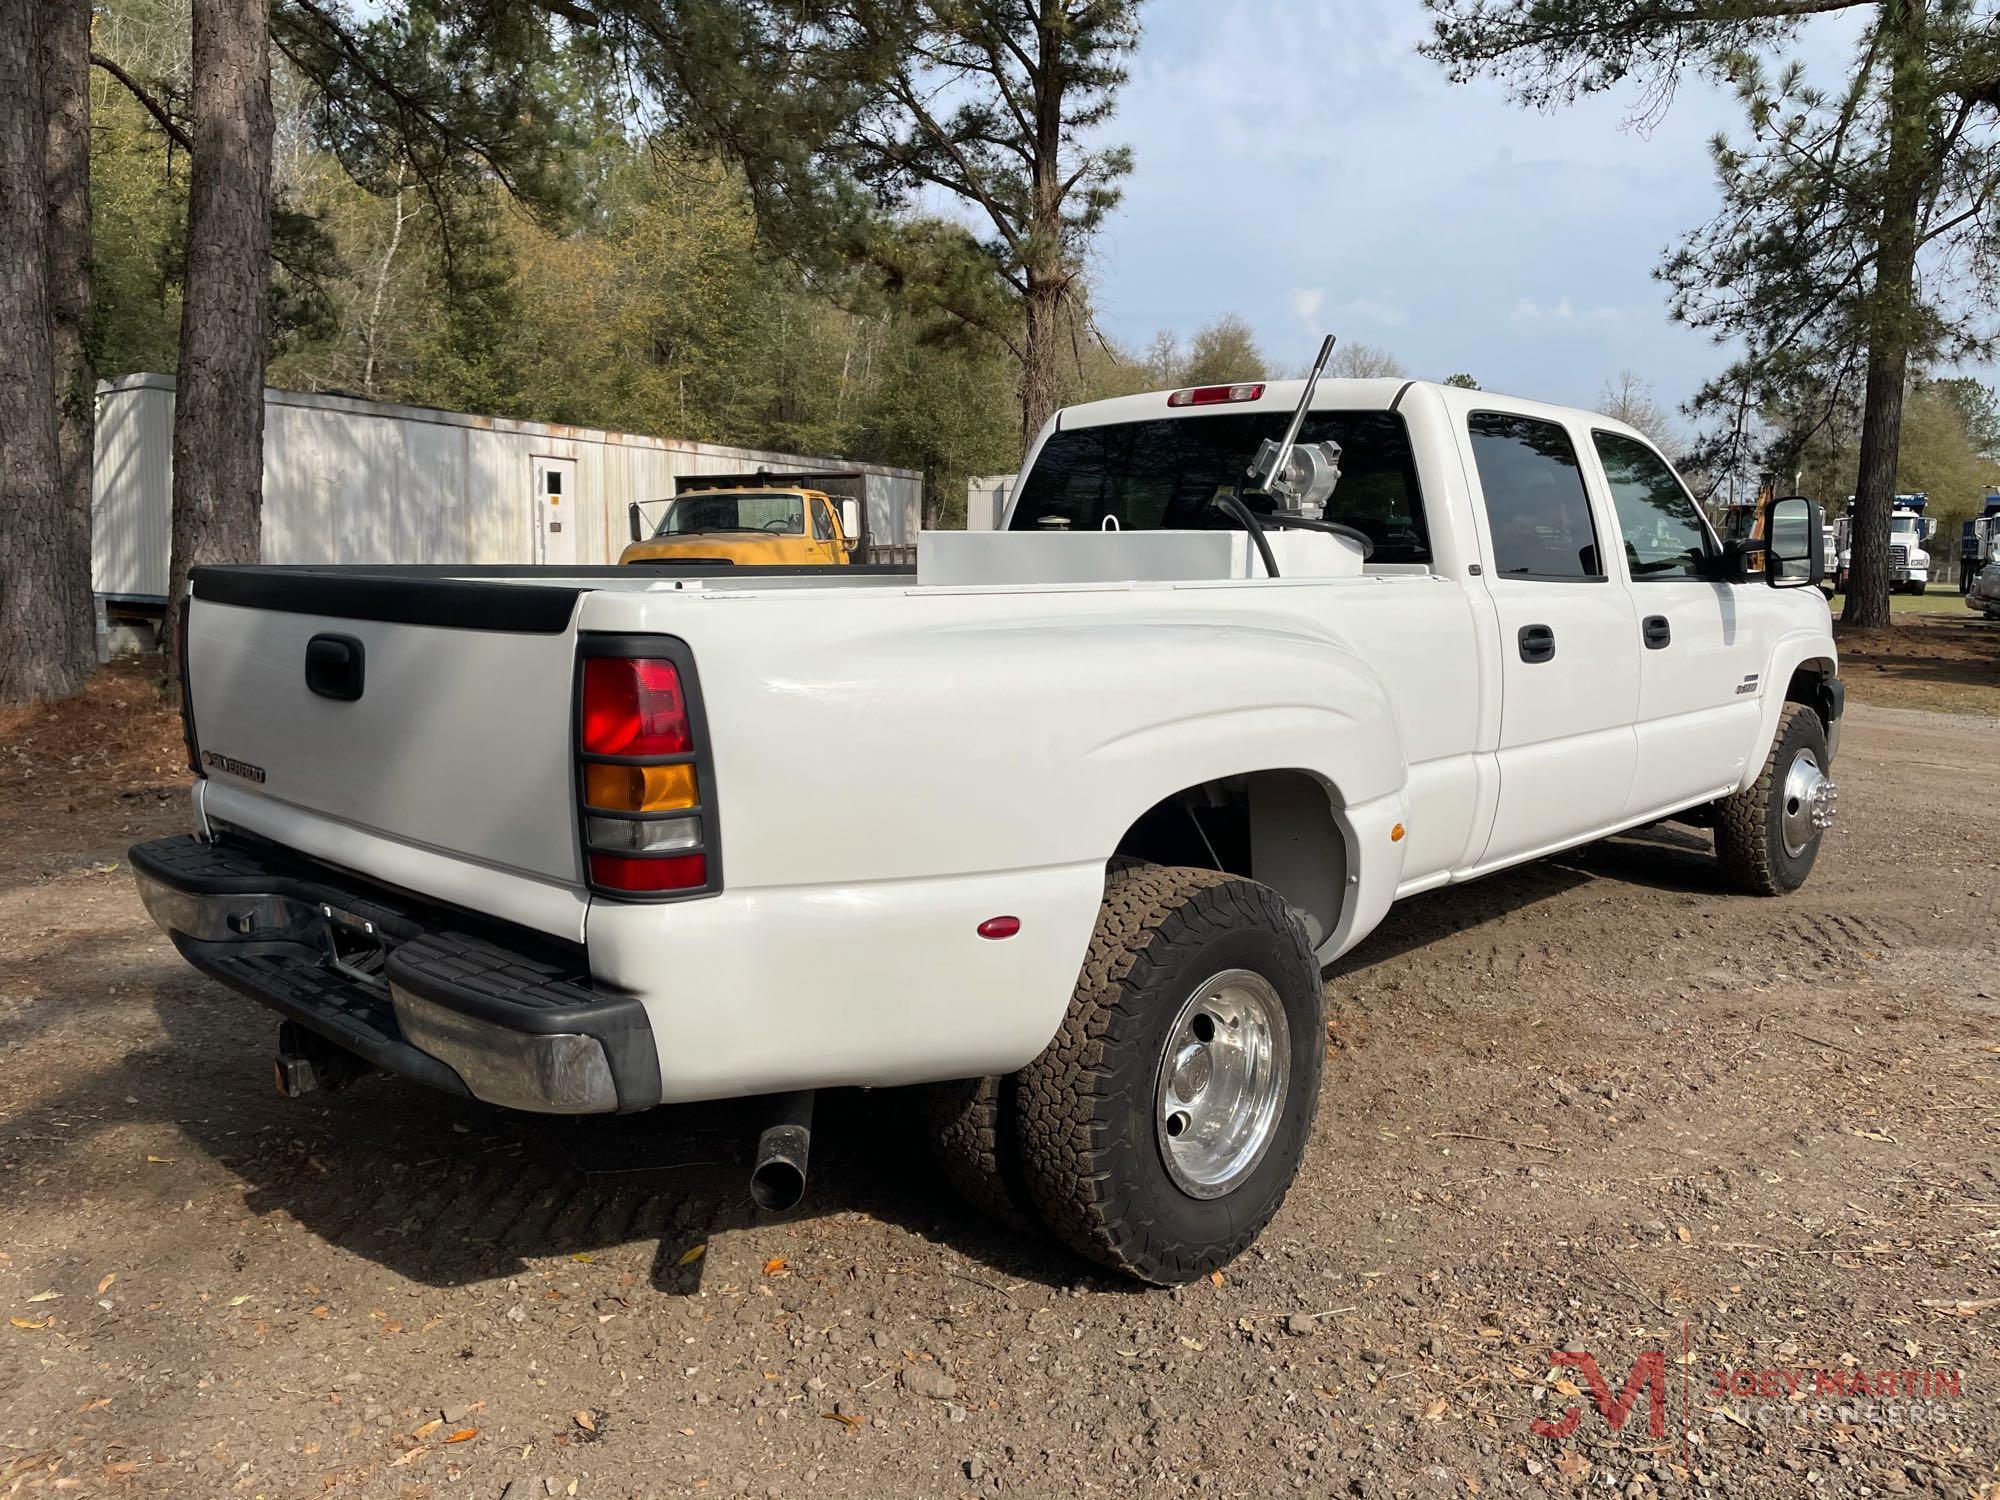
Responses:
[1299,164]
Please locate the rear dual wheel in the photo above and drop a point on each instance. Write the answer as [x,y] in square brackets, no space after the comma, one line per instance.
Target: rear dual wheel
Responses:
[1162,1127]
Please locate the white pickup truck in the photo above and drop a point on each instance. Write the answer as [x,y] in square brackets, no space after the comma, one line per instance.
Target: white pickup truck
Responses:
[581,841]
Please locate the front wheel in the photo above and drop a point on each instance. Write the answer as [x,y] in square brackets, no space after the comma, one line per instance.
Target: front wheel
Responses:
[1768,835]
[1162,1127]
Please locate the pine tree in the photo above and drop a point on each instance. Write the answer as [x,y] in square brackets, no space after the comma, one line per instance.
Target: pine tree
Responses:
[36,607]
[839,113]
[1856,230]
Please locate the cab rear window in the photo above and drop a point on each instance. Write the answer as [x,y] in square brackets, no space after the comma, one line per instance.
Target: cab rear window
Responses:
[1166,474]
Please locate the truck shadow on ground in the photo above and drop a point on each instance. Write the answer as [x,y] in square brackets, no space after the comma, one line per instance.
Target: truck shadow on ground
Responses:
[1664,857]
[450,1192]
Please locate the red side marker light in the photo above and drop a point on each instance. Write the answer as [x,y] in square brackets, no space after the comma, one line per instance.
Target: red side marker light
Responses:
[999,927]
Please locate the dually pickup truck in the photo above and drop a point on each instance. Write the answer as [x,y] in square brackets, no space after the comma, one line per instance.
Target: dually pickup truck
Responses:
[1144,762]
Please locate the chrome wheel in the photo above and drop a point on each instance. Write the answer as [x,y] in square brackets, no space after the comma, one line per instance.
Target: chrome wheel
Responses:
[1810,802]
[1222,1082]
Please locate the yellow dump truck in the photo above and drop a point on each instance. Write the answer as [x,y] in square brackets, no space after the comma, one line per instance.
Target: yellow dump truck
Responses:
[754,520]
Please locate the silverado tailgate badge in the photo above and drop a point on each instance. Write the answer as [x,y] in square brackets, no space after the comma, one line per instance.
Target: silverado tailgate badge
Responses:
[234,767]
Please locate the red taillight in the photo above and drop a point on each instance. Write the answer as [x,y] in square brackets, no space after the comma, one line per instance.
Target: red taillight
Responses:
[674,872]
[639,759]
[1216,395]
[634,706]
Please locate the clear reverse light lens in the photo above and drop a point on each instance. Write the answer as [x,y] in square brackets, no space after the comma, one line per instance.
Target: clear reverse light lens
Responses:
[644,836]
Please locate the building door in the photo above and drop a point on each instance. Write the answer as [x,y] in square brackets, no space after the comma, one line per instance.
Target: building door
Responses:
[555,513]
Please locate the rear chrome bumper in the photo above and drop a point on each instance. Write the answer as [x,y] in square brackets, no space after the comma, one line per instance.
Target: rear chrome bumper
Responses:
[437,996]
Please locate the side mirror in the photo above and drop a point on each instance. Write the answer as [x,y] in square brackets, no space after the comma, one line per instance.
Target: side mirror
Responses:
[632,518]
[1739,561]
[1794,552]
[1930,527]
[850,520]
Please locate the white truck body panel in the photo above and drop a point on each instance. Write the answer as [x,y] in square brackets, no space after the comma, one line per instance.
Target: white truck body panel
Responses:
[1034,699]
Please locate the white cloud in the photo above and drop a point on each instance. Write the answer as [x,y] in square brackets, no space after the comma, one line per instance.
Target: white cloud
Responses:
[1306,302]
[1529,315]
[1371,310]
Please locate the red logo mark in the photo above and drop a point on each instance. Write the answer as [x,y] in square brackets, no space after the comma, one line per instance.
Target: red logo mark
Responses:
[1649,1375]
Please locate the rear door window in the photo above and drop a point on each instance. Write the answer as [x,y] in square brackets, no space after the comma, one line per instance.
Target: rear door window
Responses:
[1661,529]
[1165,475]
[1536,505]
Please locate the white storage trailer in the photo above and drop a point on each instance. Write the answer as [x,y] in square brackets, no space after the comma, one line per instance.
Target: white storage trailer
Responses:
[353,481]
[986,501]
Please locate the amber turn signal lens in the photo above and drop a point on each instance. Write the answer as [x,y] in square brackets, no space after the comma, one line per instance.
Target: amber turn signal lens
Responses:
[639,788]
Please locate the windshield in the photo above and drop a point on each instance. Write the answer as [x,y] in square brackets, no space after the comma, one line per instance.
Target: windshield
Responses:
[733,510]
[1903,525]
[1165,475]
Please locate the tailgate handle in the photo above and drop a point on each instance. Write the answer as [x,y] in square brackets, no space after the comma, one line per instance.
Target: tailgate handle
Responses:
[333,667]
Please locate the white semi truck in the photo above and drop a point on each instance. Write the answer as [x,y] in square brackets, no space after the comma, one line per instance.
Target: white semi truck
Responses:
[1910,533]
[1162,748]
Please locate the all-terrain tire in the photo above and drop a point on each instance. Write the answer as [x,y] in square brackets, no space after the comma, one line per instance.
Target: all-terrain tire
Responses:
[968,1125]
[1091,1151]
[1749,833]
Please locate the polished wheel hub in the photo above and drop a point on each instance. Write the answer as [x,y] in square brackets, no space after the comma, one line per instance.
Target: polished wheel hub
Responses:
[1222,1082]
[1811,800]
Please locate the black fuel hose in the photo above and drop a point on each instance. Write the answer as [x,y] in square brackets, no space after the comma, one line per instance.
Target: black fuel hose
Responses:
[1235,507]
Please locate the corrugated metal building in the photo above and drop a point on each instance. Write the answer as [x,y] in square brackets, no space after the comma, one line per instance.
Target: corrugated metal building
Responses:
[986,501]
[352,481]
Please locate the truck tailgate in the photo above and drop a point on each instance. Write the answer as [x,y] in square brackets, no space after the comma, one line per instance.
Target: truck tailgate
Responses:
[458,741]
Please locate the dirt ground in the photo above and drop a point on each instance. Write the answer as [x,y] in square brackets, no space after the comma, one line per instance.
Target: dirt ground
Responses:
[1945,657]
[1592,1107]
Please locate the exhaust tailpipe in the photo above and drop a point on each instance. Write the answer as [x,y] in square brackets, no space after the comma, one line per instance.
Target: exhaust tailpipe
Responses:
[778,1177]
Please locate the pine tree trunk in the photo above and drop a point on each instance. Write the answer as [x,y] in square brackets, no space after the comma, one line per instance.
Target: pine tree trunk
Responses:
[1041,382]
[1891,319]
[219,394]
[1045,283]
[65,68]
[37,658]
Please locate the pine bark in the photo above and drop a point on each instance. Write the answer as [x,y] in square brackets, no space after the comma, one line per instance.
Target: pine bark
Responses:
[1891,319]
[1041,374]
[219,392]
[37,655]
[65,73]
[1045,278]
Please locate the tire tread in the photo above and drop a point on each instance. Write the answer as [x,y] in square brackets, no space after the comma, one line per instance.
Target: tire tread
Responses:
[1066,1095]
[1742,822]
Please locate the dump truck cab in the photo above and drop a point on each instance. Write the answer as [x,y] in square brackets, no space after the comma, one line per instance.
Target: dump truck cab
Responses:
[1979,543]
[750,527]
[754,520]
[1910,532]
